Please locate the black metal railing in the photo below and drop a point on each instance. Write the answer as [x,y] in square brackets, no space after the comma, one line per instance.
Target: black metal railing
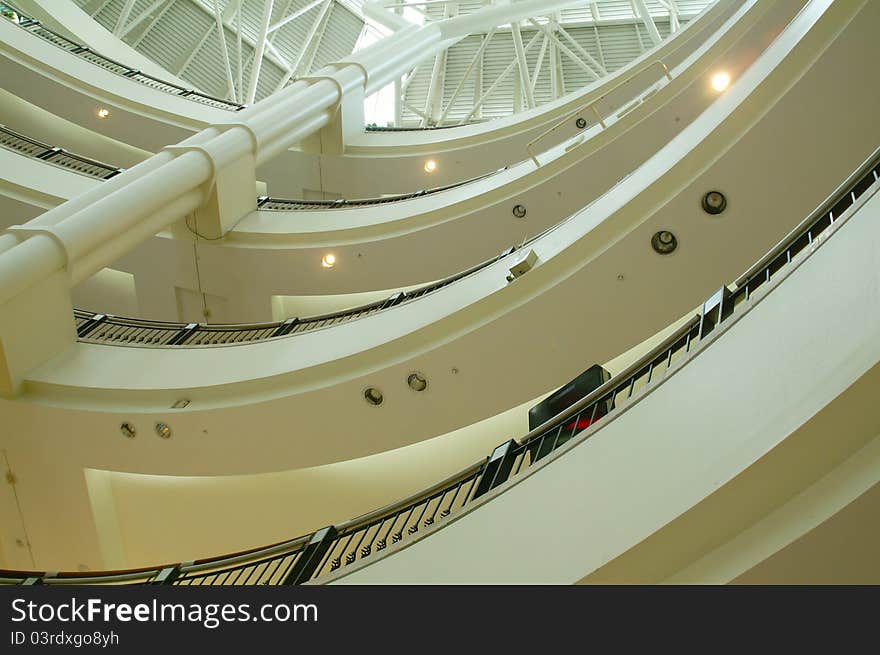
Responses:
[29,147]
[280,204]
[334,547]
[106,328]
[416,128]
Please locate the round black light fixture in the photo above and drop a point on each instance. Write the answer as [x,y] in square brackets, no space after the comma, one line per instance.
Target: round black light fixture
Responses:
[519,211]
[417,382]
[714,202]
[581,123]
[163,431]
[127,430]
[373,396]
[664,242]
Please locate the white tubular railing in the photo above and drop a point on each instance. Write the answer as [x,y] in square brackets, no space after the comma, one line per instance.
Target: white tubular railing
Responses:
[213,171]
[117,216]
[592,106]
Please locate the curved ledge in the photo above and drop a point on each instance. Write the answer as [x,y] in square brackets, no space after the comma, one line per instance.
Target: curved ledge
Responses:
[151,120]
[273,253]
[365,543]
[767,114]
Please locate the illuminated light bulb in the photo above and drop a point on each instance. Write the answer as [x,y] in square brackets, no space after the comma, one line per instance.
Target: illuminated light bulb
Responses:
[720,81]
[328,261]
[430,166]
[103,112]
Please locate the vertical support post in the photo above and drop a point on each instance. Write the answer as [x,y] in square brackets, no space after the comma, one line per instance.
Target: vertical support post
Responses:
[497,468]
[715,310]
[311,556]
[35,325]
[166,576]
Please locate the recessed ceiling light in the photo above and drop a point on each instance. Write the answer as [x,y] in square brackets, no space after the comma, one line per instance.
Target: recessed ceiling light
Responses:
[720,81]
[127,430]
[103,112]
[714,202]
[664,242]
[430,166]
[328,260]
[373,396]
[162,430]
[417,382]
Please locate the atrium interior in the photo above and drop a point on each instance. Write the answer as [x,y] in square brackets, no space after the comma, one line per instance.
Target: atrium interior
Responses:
[432,291]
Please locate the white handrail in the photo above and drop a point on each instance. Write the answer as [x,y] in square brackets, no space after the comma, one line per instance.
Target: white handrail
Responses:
[112,219]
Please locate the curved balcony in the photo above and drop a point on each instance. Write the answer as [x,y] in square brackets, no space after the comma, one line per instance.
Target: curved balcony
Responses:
[214,435]
[150,119]
[482,317]
[607,458]
[273,253]
[55,155]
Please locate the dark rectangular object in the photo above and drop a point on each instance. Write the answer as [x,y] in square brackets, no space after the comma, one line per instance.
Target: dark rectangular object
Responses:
[561,399]
[312,555]
[497,468]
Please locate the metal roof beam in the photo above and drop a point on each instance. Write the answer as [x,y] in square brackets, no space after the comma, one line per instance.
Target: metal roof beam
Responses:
[258,52]
[141,17]
[123,17]
[299,12]
[645,15]
[221,36]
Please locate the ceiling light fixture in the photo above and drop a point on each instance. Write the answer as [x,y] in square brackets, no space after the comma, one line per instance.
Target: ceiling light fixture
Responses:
[417,382]
[373,396]
[162,430]
[664,242]
[127,430]
[328,260]
[720,81]
[714,202]
[103,112]
[430,166]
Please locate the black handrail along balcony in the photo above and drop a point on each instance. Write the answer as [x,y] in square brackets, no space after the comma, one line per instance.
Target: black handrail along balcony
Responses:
[279,204]
[333,548]
[104,328]
[29,147]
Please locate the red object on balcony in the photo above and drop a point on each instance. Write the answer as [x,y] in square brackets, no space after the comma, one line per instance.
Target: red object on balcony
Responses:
[582,422]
